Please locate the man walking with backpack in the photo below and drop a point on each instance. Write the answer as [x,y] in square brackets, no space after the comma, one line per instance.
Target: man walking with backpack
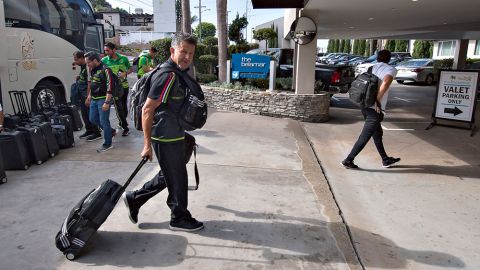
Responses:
[167,138]
[374,115]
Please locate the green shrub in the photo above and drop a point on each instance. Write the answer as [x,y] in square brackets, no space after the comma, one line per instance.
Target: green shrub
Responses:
[206,78]
[283,83]
[206,63]
[442,64]
[163,46]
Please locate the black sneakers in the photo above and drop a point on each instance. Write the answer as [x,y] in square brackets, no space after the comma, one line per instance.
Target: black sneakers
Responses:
[390,161]
[186,225]
[349,164]
[125,132]
[85,135]
[132,211]
[93,137]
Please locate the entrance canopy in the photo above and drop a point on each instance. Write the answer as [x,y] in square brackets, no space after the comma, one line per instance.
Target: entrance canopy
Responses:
[389,19]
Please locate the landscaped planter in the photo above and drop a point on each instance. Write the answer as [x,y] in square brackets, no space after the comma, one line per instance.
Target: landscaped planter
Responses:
[308,108]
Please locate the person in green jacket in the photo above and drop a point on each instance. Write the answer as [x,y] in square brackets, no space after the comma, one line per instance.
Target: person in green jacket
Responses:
[145,63]
[120,65]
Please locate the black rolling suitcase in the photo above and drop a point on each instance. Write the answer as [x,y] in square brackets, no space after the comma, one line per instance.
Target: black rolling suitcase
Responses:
[13,145]
[50,139]
[89,214]
[36,144]
[3,174]
[71,110]
[63,130]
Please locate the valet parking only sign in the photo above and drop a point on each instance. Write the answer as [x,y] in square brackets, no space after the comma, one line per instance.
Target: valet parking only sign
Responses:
[456,95]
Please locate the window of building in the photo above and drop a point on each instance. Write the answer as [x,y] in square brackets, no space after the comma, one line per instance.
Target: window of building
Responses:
[477,48]
[445,48]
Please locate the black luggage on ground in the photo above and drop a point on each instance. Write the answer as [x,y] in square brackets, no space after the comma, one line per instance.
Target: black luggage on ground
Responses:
[36,144]
[13,145]
[11,121]
[3,174]
[50,139]
[71,110]
[63,130]
[89,214]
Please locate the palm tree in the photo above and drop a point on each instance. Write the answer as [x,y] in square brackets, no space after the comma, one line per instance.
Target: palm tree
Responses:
[186,24]
[222,39]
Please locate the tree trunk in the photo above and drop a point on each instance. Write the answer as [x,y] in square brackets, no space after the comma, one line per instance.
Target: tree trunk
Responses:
[222,39]
[186,19]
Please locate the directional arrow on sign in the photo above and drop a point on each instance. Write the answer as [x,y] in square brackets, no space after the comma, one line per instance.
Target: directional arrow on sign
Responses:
[453,111]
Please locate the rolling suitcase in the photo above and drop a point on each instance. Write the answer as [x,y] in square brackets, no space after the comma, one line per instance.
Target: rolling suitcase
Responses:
[63,130]
[71,110]
[36,144]
[89,214]
[50,139]
[13,145]
[3,174]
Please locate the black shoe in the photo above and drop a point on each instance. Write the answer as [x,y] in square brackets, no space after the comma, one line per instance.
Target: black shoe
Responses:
[125,132]
[93,137]
[104,148]
[132,211]
[349,164]
[85,135]
[390,161]
[186,225]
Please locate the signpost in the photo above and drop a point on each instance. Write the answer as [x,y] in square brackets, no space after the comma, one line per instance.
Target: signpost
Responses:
[456,97]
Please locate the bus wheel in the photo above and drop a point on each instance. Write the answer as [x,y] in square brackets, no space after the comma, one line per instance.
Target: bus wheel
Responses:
[45,95]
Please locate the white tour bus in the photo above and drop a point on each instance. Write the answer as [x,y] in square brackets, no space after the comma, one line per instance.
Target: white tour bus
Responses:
[37,41]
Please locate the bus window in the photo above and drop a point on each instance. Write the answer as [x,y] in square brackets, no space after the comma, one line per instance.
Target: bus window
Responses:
[93,42]
[17,13]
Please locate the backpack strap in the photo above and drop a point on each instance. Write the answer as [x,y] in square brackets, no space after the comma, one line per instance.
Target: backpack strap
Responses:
[197,175]
[370,69]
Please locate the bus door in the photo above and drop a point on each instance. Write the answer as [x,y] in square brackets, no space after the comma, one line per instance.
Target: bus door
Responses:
[94,38]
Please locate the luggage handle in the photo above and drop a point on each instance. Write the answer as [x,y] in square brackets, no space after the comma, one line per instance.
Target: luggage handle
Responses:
[144,160]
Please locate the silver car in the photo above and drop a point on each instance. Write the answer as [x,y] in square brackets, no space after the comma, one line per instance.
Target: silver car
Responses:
[416,70]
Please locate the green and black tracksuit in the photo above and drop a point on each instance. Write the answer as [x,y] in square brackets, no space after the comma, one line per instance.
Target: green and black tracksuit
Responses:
[83,93]
[169,145]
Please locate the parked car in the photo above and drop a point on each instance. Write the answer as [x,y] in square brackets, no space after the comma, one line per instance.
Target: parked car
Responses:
[359,69]
[345,59]
[354,61]
[416,70]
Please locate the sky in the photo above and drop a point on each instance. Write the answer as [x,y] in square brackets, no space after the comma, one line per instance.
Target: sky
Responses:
[255,16]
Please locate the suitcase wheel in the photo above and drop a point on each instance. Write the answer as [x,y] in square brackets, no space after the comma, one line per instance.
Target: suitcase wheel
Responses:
[73,144]
[52,154]
[26,167]
[39,162]
[70,256]
[4,180]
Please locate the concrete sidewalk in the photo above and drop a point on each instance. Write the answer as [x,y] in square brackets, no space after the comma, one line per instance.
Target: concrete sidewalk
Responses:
[262,197]
[421,214]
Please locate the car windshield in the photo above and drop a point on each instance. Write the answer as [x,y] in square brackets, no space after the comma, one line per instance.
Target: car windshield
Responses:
[414,63]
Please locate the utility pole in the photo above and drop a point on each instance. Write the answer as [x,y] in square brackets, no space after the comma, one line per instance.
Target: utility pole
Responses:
[200,19]
[246,16]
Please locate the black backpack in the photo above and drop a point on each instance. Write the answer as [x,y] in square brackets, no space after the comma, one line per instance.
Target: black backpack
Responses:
[117,85]
[138,95]
[194,111]
[364,89]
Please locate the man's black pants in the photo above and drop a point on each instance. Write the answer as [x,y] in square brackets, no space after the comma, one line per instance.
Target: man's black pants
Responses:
[173,176]
[121,109]
[89,126]
[371,129]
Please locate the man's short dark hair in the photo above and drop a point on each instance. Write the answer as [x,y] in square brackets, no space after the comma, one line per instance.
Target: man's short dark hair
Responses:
[183,37]
[111,45]
[153,49]
[92,56]
[78,54]
[384,56]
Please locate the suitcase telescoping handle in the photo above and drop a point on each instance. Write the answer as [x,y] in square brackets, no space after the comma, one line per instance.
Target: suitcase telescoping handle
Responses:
[144,160]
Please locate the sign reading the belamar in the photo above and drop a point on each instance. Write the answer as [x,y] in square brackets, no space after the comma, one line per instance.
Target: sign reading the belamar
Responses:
[250,66]
[456,95]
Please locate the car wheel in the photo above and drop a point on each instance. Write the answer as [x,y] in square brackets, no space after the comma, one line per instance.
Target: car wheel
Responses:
[400,81]
[429,79]
[45,95]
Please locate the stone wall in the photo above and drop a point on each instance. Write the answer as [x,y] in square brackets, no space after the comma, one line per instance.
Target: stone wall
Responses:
[308,108]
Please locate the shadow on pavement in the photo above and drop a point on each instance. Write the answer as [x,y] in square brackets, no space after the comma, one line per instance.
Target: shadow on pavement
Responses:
[134,249]
[303,239]
[467,171]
